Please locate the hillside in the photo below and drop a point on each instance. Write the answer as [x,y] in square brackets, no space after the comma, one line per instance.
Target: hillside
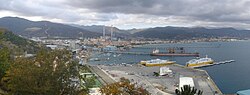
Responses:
[16,43]
[190,33]
[28,28]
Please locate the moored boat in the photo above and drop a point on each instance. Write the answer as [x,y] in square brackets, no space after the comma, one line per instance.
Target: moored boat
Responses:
[156,62]
[175,52]
[200,62]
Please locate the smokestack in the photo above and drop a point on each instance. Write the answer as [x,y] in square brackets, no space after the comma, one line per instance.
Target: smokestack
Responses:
[111,36]
[103,32]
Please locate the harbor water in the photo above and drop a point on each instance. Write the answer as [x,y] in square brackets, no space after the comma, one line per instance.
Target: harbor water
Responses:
[229,77]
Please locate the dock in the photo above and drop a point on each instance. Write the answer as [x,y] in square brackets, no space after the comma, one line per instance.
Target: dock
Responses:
[159,54]
[161,85]
[141,47]
[132,53]
[216,63]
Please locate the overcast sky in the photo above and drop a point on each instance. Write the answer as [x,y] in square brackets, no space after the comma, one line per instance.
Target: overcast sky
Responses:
[127,14]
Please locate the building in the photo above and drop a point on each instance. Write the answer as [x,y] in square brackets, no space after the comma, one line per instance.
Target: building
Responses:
[165,71]
[186,81]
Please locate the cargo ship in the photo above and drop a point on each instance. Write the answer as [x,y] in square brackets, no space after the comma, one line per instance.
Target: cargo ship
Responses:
[156,62]
[178,52]
[200,62]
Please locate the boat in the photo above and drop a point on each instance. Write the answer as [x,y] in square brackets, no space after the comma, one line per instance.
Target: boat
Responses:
[178,52]
[200,62]
[156,62]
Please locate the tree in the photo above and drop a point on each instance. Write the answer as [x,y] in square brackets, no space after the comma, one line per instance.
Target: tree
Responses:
[188,90]
[90,82]
[123,87]
[4,61]
[49,73]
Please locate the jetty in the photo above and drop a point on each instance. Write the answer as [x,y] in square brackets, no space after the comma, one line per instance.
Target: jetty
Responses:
[132,53]
[165,47]
[172,52]
[157,54]
[216,63]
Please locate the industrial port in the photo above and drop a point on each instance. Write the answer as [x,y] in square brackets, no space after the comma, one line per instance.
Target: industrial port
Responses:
[145,76]
[157,85]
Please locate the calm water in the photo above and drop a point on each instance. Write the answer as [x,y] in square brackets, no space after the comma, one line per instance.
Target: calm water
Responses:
[229,77]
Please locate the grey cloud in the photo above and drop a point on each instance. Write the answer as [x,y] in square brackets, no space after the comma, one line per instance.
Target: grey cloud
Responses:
[210,10]
[221,11]
[26,8]
[47,9]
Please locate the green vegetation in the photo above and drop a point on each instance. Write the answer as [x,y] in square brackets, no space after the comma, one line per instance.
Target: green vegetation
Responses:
[89,80]
[49,73]
[124,87]
[187,90]
[5,61]
[156,74]
[16,44]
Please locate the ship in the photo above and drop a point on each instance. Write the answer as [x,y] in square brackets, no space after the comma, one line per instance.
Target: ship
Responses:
[156,62]
[174,52]
[200,62]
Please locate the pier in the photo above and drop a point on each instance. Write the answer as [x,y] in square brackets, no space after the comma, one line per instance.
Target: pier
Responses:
[173,52]
[157,54]
[216,63]
[165,47]
[132,53]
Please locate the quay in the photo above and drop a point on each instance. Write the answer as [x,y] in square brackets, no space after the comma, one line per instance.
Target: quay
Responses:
[158,54]
[157,85]
[133,53]
[141,47]
[216,63]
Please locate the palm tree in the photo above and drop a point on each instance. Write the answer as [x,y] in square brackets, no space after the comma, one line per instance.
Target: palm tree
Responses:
[188,90]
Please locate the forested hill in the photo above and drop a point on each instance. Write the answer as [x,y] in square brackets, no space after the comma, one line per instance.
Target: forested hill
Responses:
[24,27]
[15,43]
[190,33]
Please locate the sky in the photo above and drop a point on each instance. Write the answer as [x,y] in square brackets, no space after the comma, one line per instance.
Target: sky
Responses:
[127,14]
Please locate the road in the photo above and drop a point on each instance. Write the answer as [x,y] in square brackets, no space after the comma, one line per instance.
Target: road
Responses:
[104,78]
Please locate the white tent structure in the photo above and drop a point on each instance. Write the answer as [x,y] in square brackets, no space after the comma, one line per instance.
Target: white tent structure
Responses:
[186,81]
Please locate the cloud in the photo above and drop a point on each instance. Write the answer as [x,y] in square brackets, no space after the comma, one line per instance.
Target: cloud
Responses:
[129,13]
[210,10]
[50,9]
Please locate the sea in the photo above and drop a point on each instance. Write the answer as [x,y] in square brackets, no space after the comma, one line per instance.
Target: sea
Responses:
[230,77]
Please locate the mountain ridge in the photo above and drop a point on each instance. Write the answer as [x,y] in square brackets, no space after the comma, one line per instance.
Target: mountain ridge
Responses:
[27,28]
[22,27]
[170,32]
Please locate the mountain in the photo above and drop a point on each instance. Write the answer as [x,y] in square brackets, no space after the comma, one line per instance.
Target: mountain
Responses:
[99,29]
[190,33]
[29,28]
[16,43]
